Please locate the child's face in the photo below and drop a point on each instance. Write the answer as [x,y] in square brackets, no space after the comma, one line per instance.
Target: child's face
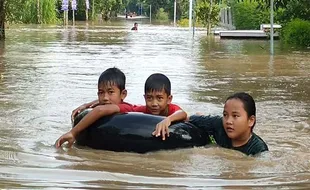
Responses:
[236,122]
[157,102]
[110,94]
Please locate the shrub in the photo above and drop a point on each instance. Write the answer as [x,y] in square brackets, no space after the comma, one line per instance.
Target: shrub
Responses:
[162,15]
[247,15]
[297,32]
[183,22]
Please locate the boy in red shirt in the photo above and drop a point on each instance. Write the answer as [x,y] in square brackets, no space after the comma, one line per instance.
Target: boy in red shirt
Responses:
[110,101]
[157,95]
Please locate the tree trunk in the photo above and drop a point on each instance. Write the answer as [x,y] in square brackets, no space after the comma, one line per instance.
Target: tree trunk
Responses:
[86,14]
[93,10]
[38,12]
[2,20]
[209,17]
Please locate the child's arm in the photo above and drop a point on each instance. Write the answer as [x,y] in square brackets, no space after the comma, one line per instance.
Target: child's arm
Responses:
[162,127]
[89,119]
[83,107]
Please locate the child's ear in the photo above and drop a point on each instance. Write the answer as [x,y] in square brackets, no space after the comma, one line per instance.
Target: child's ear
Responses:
[169,99]
[123,94]
[251,121]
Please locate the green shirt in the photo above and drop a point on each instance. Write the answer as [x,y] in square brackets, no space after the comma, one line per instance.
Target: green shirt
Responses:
[213,126]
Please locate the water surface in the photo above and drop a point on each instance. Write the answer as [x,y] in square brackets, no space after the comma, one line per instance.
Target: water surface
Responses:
[47,71]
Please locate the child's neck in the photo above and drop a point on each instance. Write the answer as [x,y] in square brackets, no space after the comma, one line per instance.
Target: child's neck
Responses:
[165,112]
[242,140]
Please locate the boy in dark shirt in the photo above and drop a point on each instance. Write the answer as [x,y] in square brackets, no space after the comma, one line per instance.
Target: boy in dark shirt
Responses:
[135,26]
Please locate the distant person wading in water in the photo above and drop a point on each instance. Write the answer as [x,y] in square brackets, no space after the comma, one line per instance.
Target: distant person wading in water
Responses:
[135,26]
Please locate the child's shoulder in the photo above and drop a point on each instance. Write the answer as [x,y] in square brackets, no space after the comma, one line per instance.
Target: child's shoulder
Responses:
[256,145]
[174,106]
[126,103]
[126,107]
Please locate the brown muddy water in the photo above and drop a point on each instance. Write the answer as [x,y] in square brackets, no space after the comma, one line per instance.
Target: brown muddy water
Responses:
[48,71]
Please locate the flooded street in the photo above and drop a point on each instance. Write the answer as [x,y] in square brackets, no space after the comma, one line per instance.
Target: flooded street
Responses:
[46,72]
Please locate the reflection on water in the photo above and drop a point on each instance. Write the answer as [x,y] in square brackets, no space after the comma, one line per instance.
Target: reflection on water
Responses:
[47,71]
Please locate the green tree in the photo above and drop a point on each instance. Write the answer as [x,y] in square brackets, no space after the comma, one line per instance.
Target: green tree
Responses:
[208,13]
[31,11]
[108,8]
[157,4]
[248,15]
[162,15]
[296,9]
[285,10]
[264,3]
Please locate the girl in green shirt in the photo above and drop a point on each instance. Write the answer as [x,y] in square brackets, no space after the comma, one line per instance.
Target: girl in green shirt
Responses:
[234,130]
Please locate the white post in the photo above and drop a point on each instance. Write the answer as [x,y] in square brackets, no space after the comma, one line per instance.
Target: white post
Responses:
[86,14]
[175,13]
[150,13]
[190,14]
[225,17]
[93,10]
[73,17]
[194,17]
[271,28]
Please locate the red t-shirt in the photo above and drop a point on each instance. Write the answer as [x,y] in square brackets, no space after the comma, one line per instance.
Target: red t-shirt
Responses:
[125,107]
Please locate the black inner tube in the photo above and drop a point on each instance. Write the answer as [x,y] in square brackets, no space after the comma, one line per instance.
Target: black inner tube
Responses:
[132,132]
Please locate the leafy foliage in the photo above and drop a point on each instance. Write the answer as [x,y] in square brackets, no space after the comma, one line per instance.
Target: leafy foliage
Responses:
[297,32]
[28,11]
[162,15]
[256,11]
[296,9]
[246,15]
[203,10]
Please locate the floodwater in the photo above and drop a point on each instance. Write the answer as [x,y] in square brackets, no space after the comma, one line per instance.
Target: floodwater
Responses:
[48,71]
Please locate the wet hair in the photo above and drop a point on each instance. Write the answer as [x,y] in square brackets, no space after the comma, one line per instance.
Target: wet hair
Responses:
[113,76]
[248,103]
[157,82]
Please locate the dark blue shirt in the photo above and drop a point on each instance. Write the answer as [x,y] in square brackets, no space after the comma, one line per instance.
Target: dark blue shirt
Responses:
[213,126]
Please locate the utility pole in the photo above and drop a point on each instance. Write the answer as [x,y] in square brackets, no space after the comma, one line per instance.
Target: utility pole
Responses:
[141,10]
[190,14]
[194,17]
[175,13]
[150,14]
[271,28]
[86,9]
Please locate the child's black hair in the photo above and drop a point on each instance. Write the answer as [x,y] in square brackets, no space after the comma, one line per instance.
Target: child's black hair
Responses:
[113,76]
[157,82]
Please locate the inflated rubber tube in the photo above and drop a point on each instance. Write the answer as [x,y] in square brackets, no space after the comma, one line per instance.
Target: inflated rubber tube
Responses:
[132,132]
